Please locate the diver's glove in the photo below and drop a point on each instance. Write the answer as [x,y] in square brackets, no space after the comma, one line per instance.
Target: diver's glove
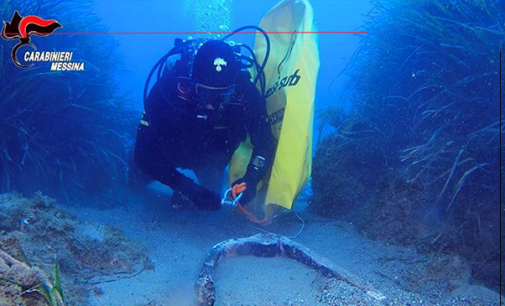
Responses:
[250,191]
[255,173]
[205,199]
[202,197]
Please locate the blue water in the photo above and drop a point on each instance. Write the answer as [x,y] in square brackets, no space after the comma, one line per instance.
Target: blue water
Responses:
[134,56]
[142,51]
[35,149]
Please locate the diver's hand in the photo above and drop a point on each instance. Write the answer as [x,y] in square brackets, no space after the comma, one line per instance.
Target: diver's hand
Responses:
[203,198]
[249,193]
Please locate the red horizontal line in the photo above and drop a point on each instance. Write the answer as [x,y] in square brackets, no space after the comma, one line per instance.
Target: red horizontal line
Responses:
[188,33]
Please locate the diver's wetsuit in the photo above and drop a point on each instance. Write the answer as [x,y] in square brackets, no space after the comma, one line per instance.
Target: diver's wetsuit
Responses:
[174,132]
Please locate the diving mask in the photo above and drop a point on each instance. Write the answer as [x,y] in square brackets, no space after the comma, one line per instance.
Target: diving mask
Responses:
[210,97]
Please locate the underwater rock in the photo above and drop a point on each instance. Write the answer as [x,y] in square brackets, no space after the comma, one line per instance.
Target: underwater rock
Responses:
[17,278]
[37,232]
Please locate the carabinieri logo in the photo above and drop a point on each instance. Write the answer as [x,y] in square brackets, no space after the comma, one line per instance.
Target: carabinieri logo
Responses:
[23,28]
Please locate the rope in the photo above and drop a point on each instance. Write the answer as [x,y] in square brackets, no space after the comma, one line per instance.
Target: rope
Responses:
[237,190]
[290,237]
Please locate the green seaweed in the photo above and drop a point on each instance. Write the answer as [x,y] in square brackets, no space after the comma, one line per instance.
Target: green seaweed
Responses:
[53,292]
[65,133]
[425,89]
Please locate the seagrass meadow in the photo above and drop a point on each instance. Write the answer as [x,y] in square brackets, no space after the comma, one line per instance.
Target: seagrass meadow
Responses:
[417,160]
[65,133]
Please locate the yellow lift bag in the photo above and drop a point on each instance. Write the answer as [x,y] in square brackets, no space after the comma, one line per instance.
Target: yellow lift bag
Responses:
[291,75]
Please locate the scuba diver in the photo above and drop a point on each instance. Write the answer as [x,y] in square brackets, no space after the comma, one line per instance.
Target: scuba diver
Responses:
[197,113]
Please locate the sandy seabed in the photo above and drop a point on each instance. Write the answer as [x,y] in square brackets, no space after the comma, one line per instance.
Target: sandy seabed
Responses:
[146,254]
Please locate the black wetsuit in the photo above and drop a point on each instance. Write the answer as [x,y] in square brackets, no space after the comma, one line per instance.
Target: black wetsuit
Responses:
[174,132]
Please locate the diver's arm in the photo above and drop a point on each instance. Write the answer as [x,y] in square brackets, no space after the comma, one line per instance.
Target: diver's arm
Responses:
[262,141]
[261,137]
[154,133]
[149,158]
